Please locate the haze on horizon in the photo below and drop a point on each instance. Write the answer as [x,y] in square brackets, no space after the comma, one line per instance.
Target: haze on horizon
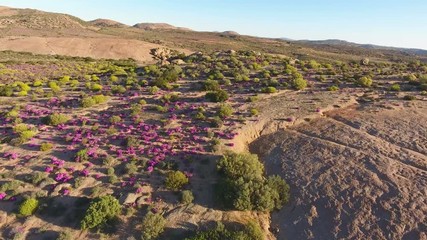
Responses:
[394,23]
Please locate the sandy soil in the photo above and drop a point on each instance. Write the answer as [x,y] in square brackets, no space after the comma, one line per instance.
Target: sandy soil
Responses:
[355,173]
[114,48]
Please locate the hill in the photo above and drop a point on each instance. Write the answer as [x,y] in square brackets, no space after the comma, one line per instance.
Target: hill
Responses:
[20,26]
[158,26]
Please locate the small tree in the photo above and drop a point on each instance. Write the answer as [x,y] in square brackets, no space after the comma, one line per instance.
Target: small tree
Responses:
[100,211]
[152,226]
[176,180]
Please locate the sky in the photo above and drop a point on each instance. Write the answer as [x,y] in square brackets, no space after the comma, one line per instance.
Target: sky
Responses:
[398,23]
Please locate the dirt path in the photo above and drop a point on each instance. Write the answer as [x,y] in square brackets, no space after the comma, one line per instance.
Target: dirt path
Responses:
[355,173]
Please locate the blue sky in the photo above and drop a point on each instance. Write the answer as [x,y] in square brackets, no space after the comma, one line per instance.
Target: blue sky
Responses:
[400,23]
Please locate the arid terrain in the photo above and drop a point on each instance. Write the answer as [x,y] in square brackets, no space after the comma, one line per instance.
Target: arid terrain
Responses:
[150,131]
[360,172]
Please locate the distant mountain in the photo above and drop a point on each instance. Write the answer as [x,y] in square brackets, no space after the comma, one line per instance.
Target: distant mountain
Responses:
[159,26]
[107,23]
[337,42]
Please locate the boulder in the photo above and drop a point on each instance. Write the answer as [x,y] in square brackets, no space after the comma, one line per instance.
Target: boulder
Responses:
[129,198]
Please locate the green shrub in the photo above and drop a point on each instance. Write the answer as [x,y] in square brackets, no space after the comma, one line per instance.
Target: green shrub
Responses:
[254,112]
[175,180]
[27,135]
[153,90]
[152,226]
[28,207]
[37,83]
[118,89]
[244,186]
[409,98]
[411,78]
[333,88]
[96,87]
[252,99]
[234,166]
[100,98]
[101,210]
[211,85]
[37,177]
[65,236]
[88,102]
[82,155]
[395,88]
[269,90]
[187,197]
[115,119]
[14,113]
[217,96]
[299,83]
[225,110]
[251,231]
[56,119]
[365,81]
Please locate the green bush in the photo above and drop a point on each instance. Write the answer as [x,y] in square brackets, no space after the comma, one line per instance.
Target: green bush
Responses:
[27,135]
[333,88]
[244,186]
[118,89]
[96,87]
[153,90]
[251,231]
[56,119]
[152,226]
[225,110]
[187,197]
[82,155]
[176,180]
[365,81]
[211,85]
[101,210]
[254,112]
[299,83]
[395,88]
[88,102]
[100,98]
[217,96]
[234,166]
[269,90]
[115,119]
[28,207]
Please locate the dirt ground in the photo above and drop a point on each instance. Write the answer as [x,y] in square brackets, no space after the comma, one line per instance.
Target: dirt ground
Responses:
[88,47]
[358,172]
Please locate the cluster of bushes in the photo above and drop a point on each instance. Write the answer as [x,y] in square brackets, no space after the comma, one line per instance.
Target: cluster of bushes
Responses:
[365,81]
[93,100]
[100,211]
[176,180]
[24,132]
[251,231]
[217,96]
[56,119]
[225,110]
[153,225]
[244,186]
